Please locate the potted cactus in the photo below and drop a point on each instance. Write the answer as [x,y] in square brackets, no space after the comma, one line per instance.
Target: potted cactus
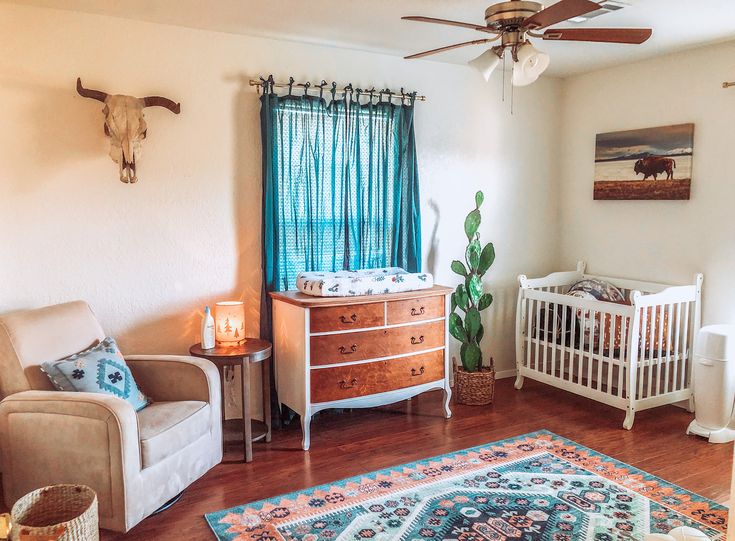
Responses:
[474,382]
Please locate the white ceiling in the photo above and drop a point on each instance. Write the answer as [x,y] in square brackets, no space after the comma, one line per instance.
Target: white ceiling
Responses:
[375,25]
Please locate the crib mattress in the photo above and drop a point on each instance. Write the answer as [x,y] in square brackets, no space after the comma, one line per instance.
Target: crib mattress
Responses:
[362,282]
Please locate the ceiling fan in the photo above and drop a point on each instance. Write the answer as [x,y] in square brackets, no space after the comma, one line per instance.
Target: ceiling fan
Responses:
[514,21]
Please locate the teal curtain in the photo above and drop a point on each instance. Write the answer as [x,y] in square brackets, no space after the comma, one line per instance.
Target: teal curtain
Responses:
[340,185]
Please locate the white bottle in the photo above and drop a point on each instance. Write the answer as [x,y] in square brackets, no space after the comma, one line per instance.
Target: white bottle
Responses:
[207,329]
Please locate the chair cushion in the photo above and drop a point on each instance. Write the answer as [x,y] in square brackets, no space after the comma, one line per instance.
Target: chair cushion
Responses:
[167,427]
[99,369]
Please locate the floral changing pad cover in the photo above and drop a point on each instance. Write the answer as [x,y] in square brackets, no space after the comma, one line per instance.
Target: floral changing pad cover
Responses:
[362,282]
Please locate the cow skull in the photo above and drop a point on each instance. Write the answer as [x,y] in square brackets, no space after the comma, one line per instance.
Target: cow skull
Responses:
[125,125]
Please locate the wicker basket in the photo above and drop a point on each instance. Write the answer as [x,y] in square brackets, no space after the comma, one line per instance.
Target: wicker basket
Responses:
[474,388]
[59,512]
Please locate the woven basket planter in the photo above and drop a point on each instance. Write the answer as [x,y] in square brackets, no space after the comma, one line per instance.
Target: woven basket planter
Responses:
[59,512]
[474,388]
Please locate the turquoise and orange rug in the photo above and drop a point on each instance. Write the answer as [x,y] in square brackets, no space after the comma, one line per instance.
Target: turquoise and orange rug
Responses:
[539,486]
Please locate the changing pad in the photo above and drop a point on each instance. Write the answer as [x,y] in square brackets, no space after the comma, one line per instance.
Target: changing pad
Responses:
[362,282]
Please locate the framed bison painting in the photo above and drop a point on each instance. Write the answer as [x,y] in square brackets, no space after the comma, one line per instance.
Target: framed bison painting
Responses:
[652,163]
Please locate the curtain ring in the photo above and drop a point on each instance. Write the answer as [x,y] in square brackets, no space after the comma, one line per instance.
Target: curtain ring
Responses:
[359,93]
[307,84]
[321,89]
[403,97]
[334,90]
[372,91]
[290,86]
[271,84]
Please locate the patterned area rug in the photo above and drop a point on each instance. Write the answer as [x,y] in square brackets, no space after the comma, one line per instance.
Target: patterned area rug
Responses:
[539,486]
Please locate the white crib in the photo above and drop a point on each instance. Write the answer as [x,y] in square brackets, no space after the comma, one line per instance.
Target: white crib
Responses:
[633,357]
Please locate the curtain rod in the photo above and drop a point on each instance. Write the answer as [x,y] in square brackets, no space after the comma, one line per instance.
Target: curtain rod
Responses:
[328,88]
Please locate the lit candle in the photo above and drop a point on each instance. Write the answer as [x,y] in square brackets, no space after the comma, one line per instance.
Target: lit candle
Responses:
[5,526]
[229,323]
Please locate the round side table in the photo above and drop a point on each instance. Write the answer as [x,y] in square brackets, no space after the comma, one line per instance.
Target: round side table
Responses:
[252,350]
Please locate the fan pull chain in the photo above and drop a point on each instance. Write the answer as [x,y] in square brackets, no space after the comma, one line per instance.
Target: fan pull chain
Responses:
[512,91]
[503,76]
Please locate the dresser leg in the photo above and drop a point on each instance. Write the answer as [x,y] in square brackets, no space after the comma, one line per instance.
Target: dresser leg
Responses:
[447,398]
[306,430]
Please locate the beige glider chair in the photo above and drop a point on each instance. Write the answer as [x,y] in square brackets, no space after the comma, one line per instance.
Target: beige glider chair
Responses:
[135,462]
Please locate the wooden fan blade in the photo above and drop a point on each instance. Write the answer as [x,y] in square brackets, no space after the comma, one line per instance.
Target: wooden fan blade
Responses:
[471,26]
[448,48]
[561,11]
[603,35]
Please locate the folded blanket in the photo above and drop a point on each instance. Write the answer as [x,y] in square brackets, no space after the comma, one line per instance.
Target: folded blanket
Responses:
[362,282]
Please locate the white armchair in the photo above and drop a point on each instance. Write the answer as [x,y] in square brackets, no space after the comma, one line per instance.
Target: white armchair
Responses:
[135,462]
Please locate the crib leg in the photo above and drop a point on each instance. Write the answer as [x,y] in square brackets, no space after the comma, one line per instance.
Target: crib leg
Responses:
[519,381]
[690,404]
[629,418]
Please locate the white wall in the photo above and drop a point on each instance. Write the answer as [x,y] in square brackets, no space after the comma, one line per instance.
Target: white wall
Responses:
[149,256]
[667,241]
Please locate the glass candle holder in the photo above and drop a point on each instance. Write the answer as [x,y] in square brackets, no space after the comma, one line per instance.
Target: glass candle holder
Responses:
[229,320]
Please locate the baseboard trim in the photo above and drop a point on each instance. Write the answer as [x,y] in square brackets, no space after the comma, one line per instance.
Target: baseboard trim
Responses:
[503,374]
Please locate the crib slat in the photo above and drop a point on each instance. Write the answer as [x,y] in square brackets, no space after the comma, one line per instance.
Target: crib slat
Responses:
[601,348]
[537,349]
[580,349]
[564,335]
[546,334]
[685,347]
[641,370]
[572,345]
[554,339]
[651,346]
[677,349]
[669,360]
[609,325]
[529,331]
[591,348]
[623,356]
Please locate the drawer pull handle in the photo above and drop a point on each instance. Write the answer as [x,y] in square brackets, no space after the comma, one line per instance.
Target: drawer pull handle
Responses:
[348,321]
[344,351]
[420,372]
[344,385]
[420,340]
[419,312]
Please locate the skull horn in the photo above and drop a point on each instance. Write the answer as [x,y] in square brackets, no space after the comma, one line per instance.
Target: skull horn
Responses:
[159,101]
[88,93]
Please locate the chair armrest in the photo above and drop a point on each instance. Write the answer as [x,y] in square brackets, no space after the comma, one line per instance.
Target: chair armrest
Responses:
[176,377]
[58,428]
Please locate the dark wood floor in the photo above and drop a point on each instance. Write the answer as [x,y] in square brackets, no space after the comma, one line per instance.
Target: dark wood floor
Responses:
[358,441]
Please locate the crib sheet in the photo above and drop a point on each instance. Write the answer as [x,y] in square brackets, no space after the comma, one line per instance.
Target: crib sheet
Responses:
[362,282]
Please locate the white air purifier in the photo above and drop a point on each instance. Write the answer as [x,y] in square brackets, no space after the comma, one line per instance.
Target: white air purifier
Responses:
[714,384]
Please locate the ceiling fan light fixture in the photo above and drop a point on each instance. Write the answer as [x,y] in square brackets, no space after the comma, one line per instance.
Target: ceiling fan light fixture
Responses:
[486,63]
[531,63]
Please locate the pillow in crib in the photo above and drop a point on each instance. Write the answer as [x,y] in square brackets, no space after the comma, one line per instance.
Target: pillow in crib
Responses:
[600,290]
[99,369]
[592,288]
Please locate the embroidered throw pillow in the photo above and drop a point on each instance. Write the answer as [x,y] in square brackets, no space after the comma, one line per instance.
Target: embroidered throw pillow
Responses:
[99,369]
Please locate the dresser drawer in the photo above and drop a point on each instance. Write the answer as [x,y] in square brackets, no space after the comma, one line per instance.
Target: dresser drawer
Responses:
[415,310]
[342,318]
[364,345]
[341,382]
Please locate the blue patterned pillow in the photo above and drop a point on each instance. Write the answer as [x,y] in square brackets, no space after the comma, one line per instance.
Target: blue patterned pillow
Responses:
[99,369]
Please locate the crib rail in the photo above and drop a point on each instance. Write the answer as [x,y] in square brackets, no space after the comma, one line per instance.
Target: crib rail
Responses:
[631,356]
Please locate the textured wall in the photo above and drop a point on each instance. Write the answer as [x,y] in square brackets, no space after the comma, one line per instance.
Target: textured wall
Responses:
[667,241]
[149,256]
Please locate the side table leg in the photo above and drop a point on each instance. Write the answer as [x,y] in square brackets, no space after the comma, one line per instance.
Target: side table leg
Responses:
[223,375]
[247,432]
[266,367]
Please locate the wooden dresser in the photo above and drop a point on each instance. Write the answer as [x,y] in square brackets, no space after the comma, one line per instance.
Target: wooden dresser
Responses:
[358,352]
